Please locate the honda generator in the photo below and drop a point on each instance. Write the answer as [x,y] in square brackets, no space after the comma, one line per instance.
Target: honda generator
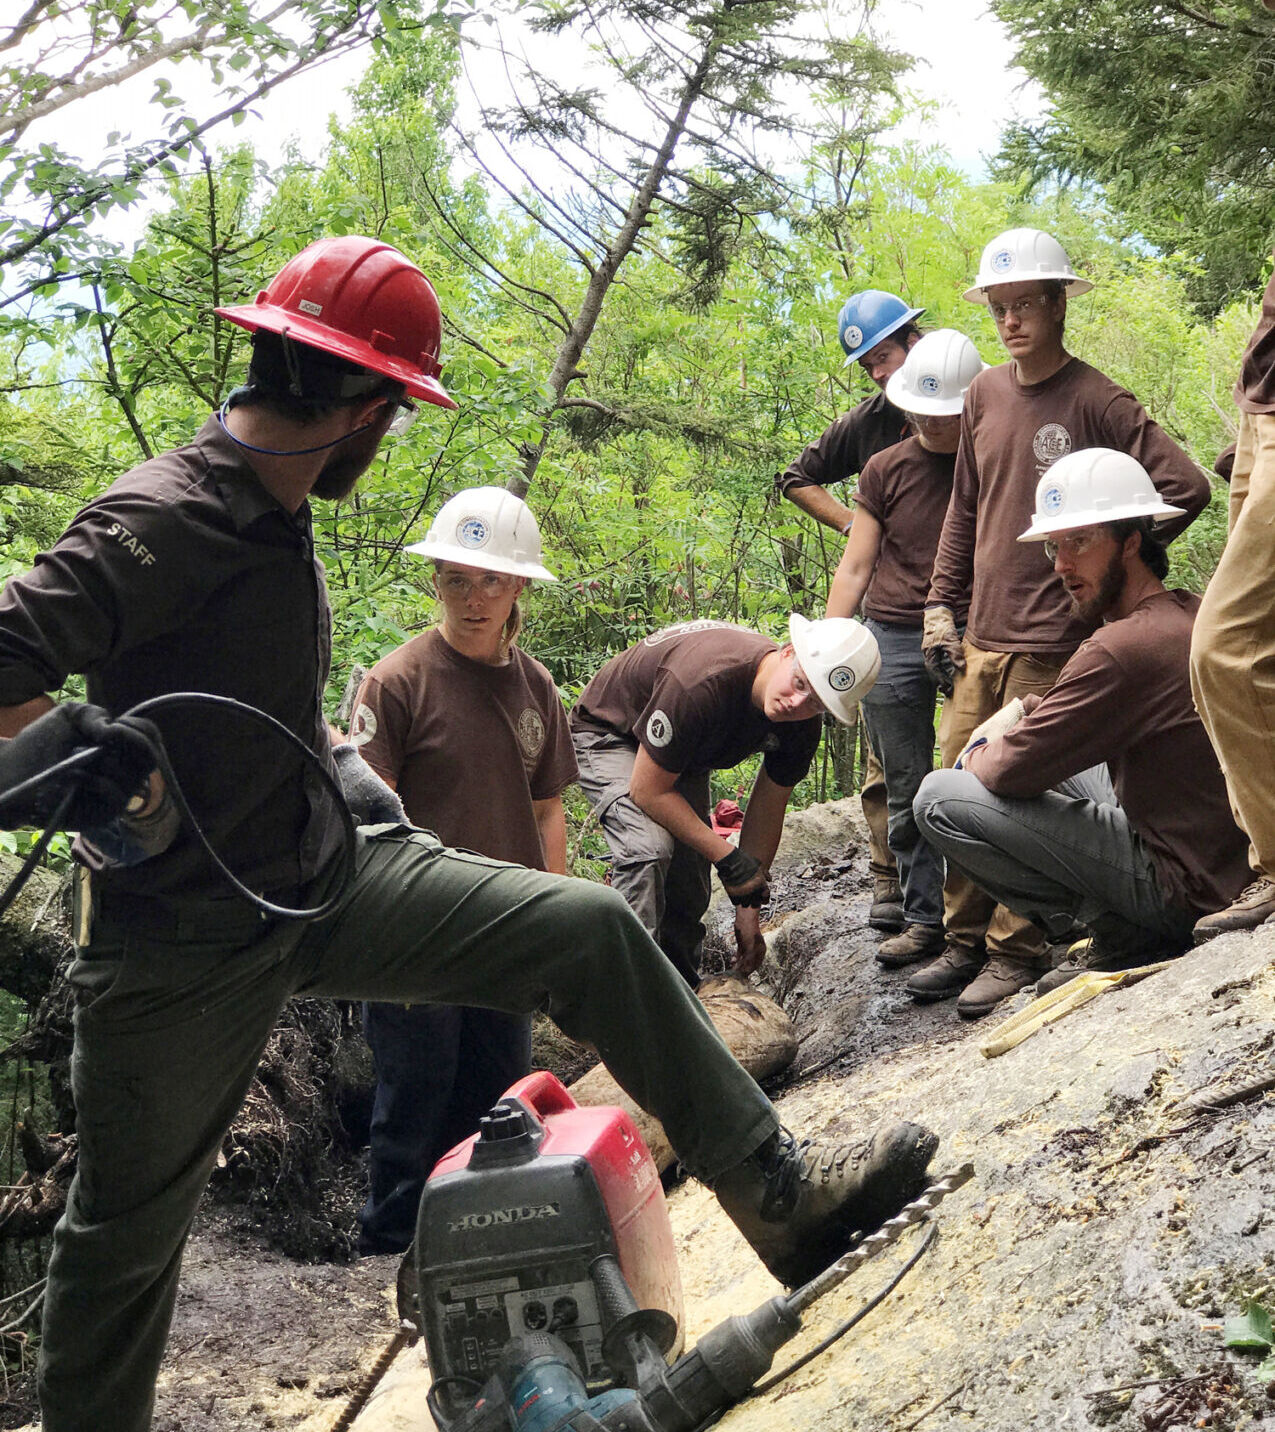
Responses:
[550,1220]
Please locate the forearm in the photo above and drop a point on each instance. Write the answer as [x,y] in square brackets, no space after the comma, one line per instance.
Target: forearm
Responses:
[858,562]
[820,504]
[551,821]
[764,819]
[16,718]
[675,814]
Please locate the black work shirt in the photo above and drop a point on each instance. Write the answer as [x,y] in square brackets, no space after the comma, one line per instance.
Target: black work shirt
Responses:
[186,575]
[846,445]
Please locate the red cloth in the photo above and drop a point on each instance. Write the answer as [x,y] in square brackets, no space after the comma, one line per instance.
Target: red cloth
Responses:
[727,817]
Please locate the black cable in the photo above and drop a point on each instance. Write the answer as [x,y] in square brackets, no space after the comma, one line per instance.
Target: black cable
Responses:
[840,1331]
[194,698]
[37,850]
[228,703]
[431,1397]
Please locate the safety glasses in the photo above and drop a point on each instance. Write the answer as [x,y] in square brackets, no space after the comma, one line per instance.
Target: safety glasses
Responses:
[1075,544]
[403,419]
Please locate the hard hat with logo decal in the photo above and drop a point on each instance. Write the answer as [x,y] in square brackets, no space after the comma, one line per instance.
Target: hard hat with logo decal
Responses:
[1020,255]
[935,374]
[360,300]
[486,527]
[840,659]
[1093,486]
[868,317]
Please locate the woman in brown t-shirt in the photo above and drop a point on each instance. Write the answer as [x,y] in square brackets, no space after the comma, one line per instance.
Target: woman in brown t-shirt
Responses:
[471,732]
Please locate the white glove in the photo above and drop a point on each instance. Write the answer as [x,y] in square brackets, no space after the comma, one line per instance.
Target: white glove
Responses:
[996,725]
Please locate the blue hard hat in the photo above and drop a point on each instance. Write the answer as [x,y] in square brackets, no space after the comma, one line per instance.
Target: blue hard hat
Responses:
[868,317]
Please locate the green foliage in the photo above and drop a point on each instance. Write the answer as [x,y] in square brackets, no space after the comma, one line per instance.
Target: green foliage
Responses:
[709,366]
[1167,107]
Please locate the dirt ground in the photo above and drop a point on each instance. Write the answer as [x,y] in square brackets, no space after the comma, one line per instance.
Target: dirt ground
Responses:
[1097,1244]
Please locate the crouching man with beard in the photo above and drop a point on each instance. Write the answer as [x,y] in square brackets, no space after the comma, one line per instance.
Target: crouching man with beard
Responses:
[1102,801]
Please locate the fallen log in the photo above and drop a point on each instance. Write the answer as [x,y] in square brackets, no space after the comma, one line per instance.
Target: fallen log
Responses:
[756,1030]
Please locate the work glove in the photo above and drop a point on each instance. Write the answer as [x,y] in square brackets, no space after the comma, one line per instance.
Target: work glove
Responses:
[126,754]
[370,800]
[941,647]
[743,879]
[996,725]
[130,839]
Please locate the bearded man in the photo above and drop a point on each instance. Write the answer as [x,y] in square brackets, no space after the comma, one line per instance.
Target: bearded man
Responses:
[1102,801]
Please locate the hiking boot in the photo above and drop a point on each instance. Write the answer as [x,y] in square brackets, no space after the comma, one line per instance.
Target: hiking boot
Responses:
[1247,911]
[886,910]
[799,1204]
[1000,978]
[946,976]
[1092,954]
[917,942]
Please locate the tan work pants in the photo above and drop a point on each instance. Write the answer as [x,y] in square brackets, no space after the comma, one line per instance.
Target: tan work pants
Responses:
[1233,644]
[990,679]
[877,815]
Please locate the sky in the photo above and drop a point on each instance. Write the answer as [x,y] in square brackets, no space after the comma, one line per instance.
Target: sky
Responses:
[963,64]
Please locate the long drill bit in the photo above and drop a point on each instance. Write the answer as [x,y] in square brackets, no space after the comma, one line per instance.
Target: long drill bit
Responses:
[910,1214]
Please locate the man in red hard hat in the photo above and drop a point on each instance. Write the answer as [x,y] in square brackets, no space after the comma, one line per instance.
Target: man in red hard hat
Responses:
[196,571]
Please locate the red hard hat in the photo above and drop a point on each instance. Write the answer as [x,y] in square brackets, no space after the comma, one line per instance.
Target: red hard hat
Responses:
[360,300]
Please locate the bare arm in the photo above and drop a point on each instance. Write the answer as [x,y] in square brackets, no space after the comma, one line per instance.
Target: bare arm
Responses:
[16,718]
[764,819]
[651,790]
[820,504]
[855,569]
[551,821]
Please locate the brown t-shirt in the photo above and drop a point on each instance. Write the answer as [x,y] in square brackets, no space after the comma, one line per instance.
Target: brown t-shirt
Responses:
[685,695]
[1255,391]
[906,488]
[186,575]
[846,445]
[1010,434]
[1125,698]
[468,746]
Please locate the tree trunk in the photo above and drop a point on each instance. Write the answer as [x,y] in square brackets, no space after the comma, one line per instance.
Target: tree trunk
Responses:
[566,366]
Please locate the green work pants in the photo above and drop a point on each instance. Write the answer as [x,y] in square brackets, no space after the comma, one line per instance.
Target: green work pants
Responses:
[170,1026]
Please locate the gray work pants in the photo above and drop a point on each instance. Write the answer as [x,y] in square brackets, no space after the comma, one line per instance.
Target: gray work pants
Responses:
[1069,854]
[899,712]
[665,882]
[172,1019]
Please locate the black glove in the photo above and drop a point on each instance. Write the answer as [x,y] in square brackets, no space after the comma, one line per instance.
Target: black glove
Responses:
[743,879]
[942,669]
[370,800]
[125,757]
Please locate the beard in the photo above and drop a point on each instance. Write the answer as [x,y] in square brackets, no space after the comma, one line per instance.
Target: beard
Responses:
[1110,589]
[346,464]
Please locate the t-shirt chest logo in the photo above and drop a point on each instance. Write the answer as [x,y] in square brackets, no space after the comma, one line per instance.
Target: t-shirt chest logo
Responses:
[363,727]
[531,733]
[1050,443]
[659,729]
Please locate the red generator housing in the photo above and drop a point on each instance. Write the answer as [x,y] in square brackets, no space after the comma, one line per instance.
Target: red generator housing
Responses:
[512,1220]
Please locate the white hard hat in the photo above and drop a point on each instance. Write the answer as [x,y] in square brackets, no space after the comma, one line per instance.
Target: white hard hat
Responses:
[1093,486]
[1019,255]
[486,527]
[935,374]
[840,658]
